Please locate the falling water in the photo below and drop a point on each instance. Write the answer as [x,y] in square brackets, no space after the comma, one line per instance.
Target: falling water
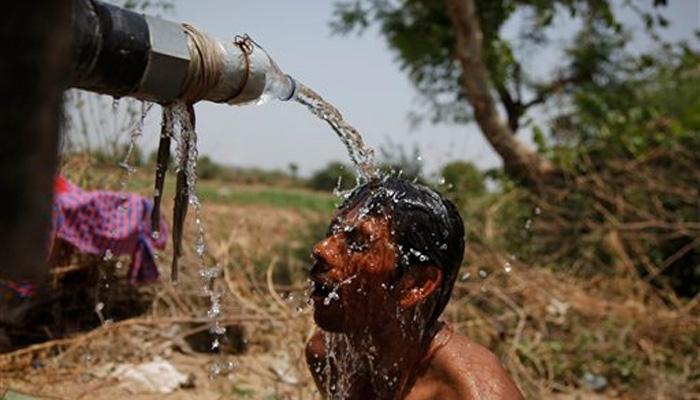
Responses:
[134,133]
[187,161]
[361,155]
[343,361]
[162,160]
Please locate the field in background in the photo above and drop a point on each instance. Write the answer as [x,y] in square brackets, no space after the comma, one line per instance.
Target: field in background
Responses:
[561,335]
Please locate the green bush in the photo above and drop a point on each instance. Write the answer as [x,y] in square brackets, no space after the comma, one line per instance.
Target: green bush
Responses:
[208,168]
[462,181]
[332,176]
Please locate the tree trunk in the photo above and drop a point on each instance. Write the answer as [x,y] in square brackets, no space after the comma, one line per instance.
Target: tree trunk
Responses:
[35,38]
[519,161]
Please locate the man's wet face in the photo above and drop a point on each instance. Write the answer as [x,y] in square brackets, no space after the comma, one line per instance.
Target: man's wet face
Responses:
[354,266]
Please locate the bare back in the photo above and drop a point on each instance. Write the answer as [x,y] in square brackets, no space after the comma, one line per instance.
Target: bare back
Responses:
[463,370]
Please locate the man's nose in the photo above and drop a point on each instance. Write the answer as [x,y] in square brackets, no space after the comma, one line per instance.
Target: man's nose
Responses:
[327,250]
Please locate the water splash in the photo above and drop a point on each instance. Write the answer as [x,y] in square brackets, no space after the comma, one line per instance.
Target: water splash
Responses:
[163,159]
[361,155]
[187,155]
[342,363]
[507,267]
[134,133]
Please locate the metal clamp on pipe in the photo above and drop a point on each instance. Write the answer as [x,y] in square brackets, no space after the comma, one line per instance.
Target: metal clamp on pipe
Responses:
[122,53]
[168,60]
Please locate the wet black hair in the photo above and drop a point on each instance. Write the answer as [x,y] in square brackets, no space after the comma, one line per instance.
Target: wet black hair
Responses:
[426,227]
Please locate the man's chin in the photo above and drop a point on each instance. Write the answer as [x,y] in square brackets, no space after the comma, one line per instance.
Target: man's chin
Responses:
[329,320]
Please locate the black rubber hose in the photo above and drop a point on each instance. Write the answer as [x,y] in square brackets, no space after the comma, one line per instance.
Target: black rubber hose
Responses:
[111,47]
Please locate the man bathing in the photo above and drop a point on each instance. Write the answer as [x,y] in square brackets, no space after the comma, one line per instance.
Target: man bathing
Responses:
[381,279]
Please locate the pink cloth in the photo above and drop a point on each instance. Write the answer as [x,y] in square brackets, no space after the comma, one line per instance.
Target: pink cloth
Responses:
[102,222]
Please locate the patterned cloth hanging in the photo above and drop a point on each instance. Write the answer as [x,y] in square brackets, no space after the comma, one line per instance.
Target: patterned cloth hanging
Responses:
[95,222]
[100,223]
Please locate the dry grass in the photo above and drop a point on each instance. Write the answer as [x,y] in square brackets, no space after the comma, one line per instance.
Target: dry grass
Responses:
[236,237]
[550,328]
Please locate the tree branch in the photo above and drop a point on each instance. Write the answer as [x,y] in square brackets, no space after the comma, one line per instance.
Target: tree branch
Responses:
[514,109]
[554,87]
[520,162]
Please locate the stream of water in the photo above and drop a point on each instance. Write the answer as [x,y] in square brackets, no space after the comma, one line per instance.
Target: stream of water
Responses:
[361,156]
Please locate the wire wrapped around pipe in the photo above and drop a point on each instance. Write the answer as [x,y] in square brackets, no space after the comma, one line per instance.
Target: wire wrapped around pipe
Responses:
[205,67]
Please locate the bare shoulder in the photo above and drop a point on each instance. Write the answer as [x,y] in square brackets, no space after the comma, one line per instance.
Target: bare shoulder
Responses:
[314,347]
[473,370]
[316,355]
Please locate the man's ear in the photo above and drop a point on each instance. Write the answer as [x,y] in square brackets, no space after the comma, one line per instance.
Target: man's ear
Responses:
[417,284]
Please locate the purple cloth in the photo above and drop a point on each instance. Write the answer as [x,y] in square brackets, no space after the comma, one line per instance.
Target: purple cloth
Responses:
[102,222]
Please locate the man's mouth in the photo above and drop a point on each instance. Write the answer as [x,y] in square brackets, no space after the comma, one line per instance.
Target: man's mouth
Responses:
[320,286]
[320,289]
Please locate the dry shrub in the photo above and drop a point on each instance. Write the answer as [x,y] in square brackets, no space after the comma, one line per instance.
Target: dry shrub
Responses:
[603,291]
[636,216]
[553,328]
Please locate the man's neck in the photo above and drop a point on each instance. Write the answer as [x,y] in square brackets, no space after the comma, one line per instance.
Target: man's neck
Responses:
[391,353]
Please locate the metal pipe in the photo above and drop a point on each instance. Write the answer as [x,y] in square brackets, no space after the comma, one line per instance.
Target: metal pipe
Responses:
[123,53]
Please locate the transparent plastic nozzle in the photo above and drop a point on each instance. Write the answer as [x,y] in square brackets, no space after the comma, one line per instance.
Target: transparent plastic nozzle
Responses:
[278,85]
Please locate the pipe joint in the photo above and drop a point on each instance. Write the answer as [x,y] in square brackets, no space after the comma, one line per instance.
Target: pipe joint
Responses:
[168,60]
[122,53]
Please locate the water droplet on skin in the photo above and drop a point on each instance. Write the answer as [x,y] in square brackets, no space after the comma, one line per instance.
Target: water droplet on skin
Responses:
[331,296]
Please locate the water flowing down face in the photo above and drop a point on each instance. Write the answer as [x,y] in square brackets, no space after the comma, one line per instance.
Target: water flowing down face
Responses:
[352,264]
[383,230]
[381,278]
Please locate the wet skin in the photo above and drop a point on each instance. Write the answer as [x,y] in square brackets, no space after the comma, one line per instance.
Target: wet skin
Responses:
[379,313]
